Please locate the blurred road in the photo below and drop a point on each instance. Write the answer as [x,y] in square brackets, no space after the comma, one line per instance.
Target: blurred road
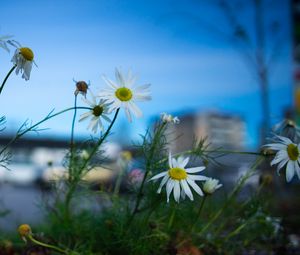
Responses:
[23,203]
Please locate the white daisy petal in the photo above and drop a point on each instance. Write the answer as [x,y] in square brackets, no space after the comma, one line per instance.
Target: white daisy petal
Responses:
[276,146]
[170,186]
[194,186]
[106,118]
[128,115]
[281,165]
[142,97]
[110,83]
[297,168]
[198,177]
[182,194]
[119,77]
[85,115]
[174,162]
[142,88]
[176,191]
[290,171]
[195,169]
[136,111]
[187,189]
[170,160]
[183,162]
[88,102]
[158,176]
[284,139]
[163,182]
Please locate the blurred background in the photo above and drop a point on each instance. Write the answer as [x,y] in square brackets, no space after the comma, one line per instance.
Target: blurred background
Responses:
[229,69]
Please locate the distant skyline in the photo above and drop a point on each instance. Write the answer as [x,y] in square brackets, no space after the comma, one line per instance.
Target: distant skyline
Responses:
[167,43]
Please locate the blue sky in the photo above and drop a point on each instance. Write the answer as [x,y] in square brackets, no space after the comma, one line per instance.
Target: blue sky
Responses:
[170,44]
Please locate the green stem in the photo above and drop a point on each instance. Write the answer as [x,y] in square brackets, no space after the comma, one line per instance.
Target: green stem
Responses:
[170,224]
[188,152]
[6,77]
[20,134]
[47,245]
[72,138]
[233,194]
[224,223]
[199,212]
[100,141]
[73,124]
[236,231]
[123,167]
[148,164]
[91,154]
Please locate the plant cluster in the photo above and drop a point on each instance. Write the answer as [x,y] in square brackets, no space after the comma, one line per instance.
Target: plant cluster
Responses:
[180,214]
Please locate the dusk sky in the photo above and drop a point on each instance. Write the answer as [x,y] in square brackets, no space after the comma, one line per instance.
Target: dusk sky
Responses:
[176,46]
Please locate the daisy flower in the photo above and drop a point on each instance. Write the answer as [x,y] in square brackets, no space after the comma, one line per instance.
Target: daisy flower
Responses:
[211,185]
[98,110]
[22,59]
[288,153]
[123,93]
[168,118]
[179,179]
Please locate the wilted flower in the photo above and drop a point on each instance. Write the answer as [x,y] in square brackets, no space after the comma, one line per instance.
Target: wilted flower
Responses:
[23,59]
[287,128]
[24,231]
[123,94]
[81,87]
[287,154]
[178,179]
[168,118]
[98,110]
[211,185]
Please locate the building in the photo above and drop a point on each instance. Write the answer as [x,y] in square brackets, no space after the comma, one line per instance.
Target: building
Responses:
[219,130]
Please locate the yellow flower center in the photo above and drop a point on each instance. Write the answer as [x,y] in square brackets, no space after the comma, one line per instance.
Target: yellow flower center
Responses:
[27,53]
[293,152]
[124,94]
[177,173]
[97,110]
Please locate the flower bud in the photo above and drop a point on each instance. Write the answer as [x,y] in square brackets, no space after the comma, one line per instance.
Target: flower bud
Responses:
[211,185]
[168,118]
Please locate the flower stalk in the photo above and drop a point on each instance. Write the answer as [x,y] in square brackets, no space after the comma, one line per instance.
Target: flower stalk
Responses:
[6,77]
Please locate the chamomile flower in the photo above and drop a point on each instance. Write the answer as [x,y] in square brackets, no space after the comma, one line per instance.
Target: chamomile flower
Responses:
[179,179]
[98,110]
[23,60]
[123,94]
[168,118]
[211,185]
[288,153]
